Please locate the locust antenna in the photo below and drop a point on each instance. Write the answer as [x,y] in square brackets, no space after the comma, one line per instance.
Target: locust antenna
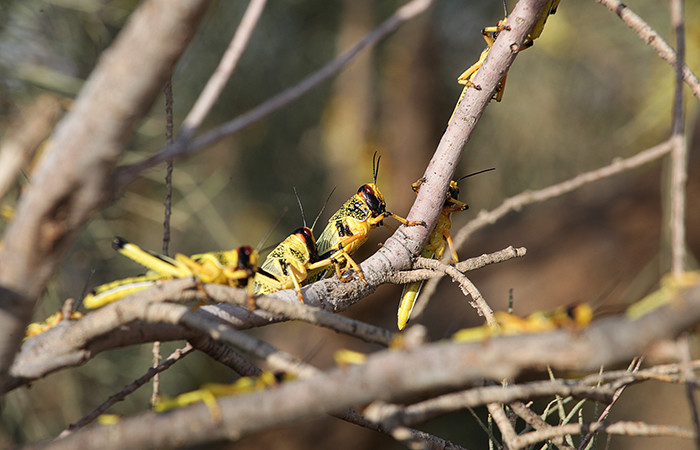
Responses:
[272,228]
[301,208]
[375,167]
[475,173]
[322,208]
[505,8]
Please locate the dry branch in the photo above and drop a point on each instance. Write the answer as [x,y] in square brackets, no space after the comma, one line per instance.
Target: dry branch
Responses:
[653,39]
[398,374]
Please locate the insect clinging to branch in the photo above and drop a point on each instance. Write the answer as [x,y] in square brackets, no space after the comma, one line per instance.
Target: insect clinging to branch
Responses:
[349,227]
[231,267]
[435,247]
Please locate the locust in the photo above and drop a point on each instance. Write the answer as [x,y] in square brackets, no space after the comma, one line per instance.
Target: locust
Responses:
[209,392]
[349,227]
[231,267]
[572,317]
[435,247]
[289,263]
[490,34]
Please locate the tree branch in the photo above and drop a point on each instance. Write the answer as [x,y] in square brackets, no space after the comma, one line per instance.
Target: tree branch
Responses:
[398,374]
[653,39]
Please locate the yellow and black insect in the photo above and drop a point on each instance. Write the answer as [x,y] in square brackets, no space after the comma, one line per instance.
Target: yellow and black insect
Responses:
[232,267]
[573,317]
[288,265]
[435,247]
[490,34]
[349,227]
[210,391]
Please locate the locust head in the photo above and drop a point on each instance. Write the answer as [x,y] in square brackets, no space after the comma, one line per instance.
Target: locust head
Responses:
[305,235]
[370,194]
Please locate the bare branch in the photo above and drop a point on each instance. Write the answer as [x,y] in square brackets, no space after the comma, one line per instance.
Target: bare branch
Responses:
[128,389]
[398,374]
[622,428]
[285,310]
[499,417]
[653,39]
[679,154]
[465,284]
[223,72]
[409,276]
[428,409]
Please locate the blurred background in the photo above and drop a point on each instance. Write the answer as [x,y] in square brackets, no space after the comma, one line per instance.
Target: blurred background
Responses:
[587,92]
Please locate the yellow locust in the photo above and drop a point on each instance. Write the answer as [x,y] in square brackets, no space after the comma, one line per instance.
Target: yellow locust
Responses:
[490,34]
[349,227]
[289,263]
[435,247]
[232,267]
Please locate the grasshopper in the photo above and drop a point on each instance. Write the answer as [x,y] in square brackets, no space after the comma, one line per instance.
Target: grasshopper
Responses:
[288,265]
[572,317]
[232,267]
[349,227]
[210,391]
[490,34]
[435,247]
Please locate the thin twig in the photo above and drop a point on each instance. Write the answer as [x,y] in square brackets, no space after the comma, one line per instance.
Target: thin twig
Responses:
[128,389]
[169,168]
[184,147]
[465,284]
[223,72]
[653,39]
[409,276]
[536,422]
[690,385]
[604,415]
[679,156]
[501,419]
[622,428]
[168,91]
[467,265]
[478,396]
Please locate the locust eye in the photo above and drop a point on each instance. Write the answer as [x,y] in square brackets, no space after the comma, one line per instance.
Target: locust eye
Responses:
[302,233]
[244,256]
[306,234]
[454,192]
[369,195]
